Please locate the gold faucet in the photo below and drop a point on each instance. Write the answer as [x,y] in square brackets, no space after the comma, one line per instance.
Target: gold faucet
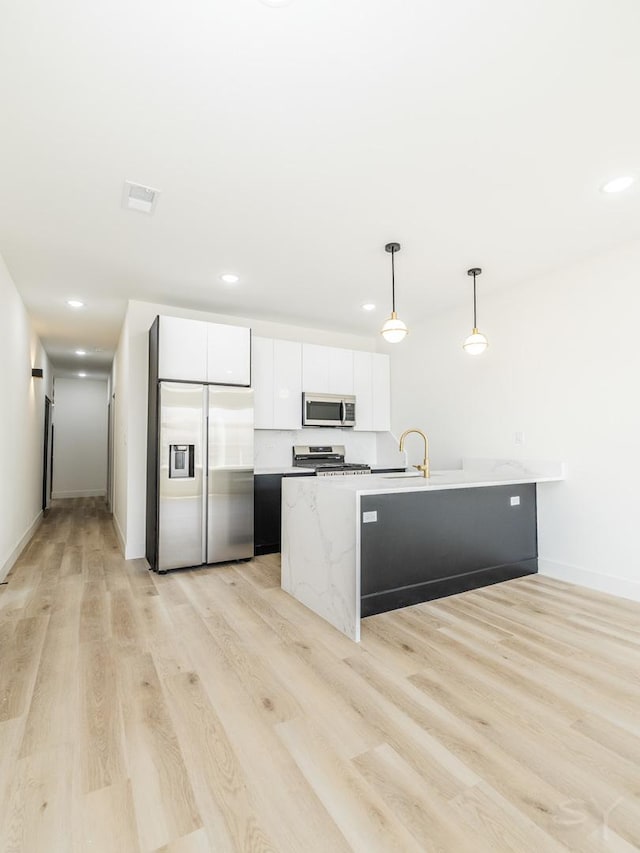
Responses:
[424,468]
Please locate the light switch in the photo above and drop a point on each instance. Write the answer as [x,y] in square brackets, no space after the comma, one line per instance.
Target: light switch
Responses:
[515,501]
[368,517]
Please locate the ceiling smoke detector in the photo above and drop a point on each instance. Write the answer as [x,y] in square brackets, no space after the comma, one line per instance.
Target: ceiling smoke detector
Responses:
[140,198]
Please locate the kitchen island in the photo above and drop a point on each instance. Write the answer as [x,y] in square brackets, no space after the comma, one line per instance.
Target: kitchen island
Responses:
[354,546]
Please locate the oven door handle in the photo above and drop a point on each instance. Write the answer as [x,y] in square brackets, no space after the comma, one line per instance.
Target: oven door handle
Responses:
[343,411]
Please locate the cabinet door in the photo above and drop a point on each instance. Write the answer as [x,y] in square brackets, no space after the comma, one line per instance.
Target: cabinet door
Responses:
[340,371]
[287,385]
[229,354]
[262,382]
[363,389]
[182,349]
[381,382]
[327,370]
[315,369]
[267,513]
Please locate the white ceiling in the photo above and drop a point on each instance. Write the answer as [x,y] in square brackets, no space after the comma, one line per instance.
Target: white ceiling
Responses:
[291,143]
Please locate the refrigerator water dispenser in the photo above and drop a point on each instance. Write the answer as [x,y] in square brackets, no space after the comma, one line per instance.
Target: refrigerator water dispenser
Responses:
[181,461]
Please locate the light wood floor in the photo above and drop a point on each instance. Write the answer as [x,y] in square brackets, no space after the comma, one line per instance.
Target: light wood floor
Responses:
[208,711]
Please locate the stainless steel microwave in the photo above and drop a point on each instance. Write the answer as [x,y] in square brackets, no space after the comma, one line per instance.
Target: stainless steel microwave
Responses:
[328,410]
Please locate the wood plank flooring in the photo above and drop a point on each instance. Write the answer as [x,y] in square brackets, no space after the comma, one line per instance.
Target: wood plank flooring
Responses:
[207,711]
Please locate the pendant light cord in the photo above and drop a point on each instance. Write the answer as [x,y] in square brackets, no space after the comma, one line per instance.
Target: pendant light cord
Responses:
[393,282]
[475,321]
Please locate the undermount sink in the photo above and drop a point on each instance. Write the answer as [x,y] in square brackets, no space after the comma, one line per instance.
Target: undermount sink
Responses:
[405,476]
[410,475]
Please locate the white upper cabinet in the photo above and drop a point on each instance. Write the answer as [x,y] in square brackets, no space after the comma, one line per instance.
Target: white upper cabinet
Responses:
[340,371]
[327,370]
[363,389]
[277,384]
[262,381]
[228,354]
[315,369]
[381,388]
[372,390]
[196,351]
[182,349]
[287,383]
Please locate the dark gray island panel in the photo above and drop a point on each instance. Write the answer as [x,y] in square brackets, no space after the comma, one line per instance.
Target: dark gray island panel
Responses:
[426,545]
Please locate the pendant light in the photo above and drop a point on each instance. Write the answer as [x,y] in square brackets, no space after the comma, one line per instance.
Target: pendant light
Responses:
[393,330]
[476,343]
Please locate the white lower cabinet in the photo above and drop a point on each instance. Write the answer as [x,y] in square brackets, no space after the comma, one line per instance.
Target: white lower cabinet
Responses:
[277,384]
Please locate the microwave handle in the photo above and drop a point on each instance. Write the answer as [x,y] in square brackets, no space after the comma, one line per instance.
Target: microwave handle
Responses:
[343,411]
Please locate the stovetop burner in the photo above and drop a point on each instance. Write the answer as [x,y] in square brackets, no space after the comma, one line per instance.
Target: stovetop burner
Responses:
[326,460]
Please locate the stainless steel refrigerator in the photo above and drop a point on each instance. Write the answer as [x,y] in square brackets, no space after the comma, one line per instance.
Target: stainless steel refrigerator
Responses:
[201,510]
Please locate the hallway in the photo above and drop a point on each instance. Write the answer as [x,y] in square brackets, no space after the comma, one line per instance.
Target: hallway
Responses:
[208,711]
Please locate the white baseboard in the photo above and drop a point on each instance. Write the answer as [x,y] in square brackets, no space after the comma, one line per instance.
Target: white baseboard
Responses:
[135,551]
[19,548]
[622,587]
[129,552]
[90,493]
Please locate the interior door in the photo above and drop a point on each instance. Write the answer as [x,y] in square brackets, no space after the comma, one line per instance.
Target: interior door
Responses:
[47,466]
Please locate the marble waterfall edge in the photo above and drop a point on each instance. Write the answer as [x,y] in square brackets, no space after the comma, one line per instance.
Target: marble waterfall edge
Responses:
[319,552]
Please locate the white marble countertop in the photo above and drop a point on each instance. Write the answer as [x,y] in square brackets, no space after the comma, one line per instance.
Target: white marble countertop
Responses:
[459,478]
[475,473]
[288,470]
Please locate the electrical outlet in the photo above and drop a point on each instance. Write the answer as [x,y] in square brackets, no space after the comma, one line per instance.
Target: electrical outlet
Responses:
[368,517]
[515,500]
[519,438]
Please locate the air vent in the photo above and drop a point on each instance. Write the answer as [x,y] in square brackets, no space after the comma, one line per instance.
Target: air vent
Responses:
[139,197]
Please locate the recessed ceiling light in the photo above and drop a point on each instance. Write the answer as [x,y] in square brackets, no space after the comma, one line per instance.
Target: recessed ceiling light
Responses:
[230,278]
[368,306]
[81,352]
[618,185]
[82,375]
[75,303]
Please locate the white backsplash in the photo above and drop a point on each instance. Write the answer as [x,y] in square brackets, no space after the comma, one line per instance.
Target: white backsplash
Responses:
[273,448]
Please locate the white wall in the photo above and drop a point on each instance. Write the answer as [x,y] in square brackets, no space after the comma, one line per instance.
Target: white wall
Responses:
[563,367]
[80,442]
[130,387]
[120,392]
[21,423]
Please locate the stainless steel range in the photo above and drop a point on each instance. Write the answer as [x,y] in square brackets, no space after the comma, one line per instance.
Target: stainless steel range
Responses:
[327,460]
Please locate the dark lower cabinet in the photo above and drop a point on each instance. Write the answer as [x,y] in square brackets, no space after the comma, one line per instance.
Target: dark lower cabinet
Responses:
[267,511]
[427,545]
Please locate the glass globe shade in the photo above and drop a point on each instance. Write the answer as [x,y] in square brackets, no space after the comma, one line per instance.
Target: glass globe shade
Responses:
[393,330]
[476,343]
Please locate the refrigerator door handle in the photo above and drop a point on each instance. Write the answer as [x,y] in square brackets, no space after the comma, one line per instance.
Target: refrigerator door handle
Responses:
[205,474]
